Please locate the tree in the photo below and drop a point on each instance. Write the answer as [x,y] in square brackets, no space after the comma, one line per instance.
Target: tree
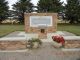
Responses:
[3,9]
[49,6]
[73,11]
[23,6]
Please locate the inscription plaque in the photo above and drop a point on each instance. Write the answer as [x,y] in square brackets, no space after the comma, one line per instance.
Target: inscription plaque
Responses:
[36,21]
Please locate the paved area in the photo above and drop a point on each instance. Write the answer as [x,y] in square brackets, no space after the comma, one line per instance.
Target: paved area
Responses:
[45,52]
[16,34]
[68,33]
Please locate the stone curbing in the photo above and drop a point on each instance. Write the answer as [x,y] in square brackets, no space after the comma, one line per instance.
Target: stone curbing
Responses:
[13,51]
[13,39]
[74,49]
[72,41]
[13,45]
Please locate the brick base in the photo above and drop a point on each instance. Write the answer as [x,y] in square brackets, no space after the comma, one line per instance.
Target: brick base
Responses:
[12,45]
[42,36]
[72,44]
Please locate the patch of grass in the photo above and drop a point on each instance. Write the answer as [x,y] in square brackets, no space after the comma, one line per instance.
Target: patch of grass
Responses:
[70,28]
[6,29]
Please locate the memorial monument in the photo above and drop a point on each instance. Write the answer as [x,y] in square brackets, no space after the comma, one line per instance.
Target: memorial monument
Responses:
[41,23]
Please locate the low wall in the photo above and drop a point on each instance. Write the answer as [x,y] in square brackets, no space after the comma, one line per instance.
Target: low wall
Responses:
[12,45]
[72,44]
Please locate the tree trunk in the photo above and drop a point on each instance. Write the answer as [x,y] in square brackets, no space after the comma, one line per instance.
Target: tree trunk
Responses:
[0,21]
[22,18]
[71,22]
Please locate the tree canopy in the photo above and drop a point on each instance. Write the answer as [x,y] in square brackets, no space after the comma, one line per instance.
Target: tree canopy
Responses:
[3,9]
[49,6]
[73,11]
[23,6]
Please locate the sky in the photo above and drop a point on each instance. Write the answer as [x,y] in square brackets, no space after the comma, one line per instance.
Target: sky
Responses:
[11,2]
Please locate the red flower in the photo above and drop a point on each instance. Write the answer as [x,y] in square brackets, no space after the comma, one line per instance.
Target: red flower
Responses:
[58,39]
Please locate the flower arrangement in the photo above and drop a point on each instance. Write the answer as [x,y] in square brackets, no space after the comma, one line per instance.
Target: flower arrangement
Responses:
[59,39]
[34,43]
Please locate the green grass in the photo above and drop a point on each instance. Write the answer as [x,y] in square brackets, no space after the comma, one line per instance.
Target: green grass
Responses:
[6,29]
[70,28]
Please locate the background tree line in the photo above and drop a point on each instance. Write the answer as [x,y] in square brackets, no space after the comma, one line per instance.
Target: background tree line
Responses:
[3,9]
[71,9]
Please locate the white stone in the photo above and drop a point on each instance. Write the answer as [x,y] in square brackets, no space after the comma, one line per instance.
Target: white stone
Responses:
[71,37]
[74,49]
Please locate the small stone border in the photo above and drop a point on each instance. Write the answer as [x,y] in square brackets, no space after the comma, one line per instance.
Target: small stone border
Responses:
[71,49]
[25,50]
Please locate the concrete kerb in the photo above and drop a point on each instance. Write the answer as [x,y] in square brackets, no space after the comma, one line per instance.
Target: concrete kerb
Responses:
[71,49]
[25,50]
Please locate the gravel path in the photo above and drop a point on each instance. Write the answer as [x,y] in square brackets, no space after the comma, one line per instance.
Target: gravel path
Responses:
[46,52]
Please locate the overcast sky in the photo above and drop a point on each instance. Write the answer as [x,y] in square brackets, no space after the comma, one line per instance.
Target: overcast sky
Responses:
[11,2]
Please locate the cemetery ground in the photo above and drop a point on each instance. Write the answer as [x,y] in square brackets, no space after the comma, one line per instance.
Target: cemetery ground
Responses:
[6,29]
